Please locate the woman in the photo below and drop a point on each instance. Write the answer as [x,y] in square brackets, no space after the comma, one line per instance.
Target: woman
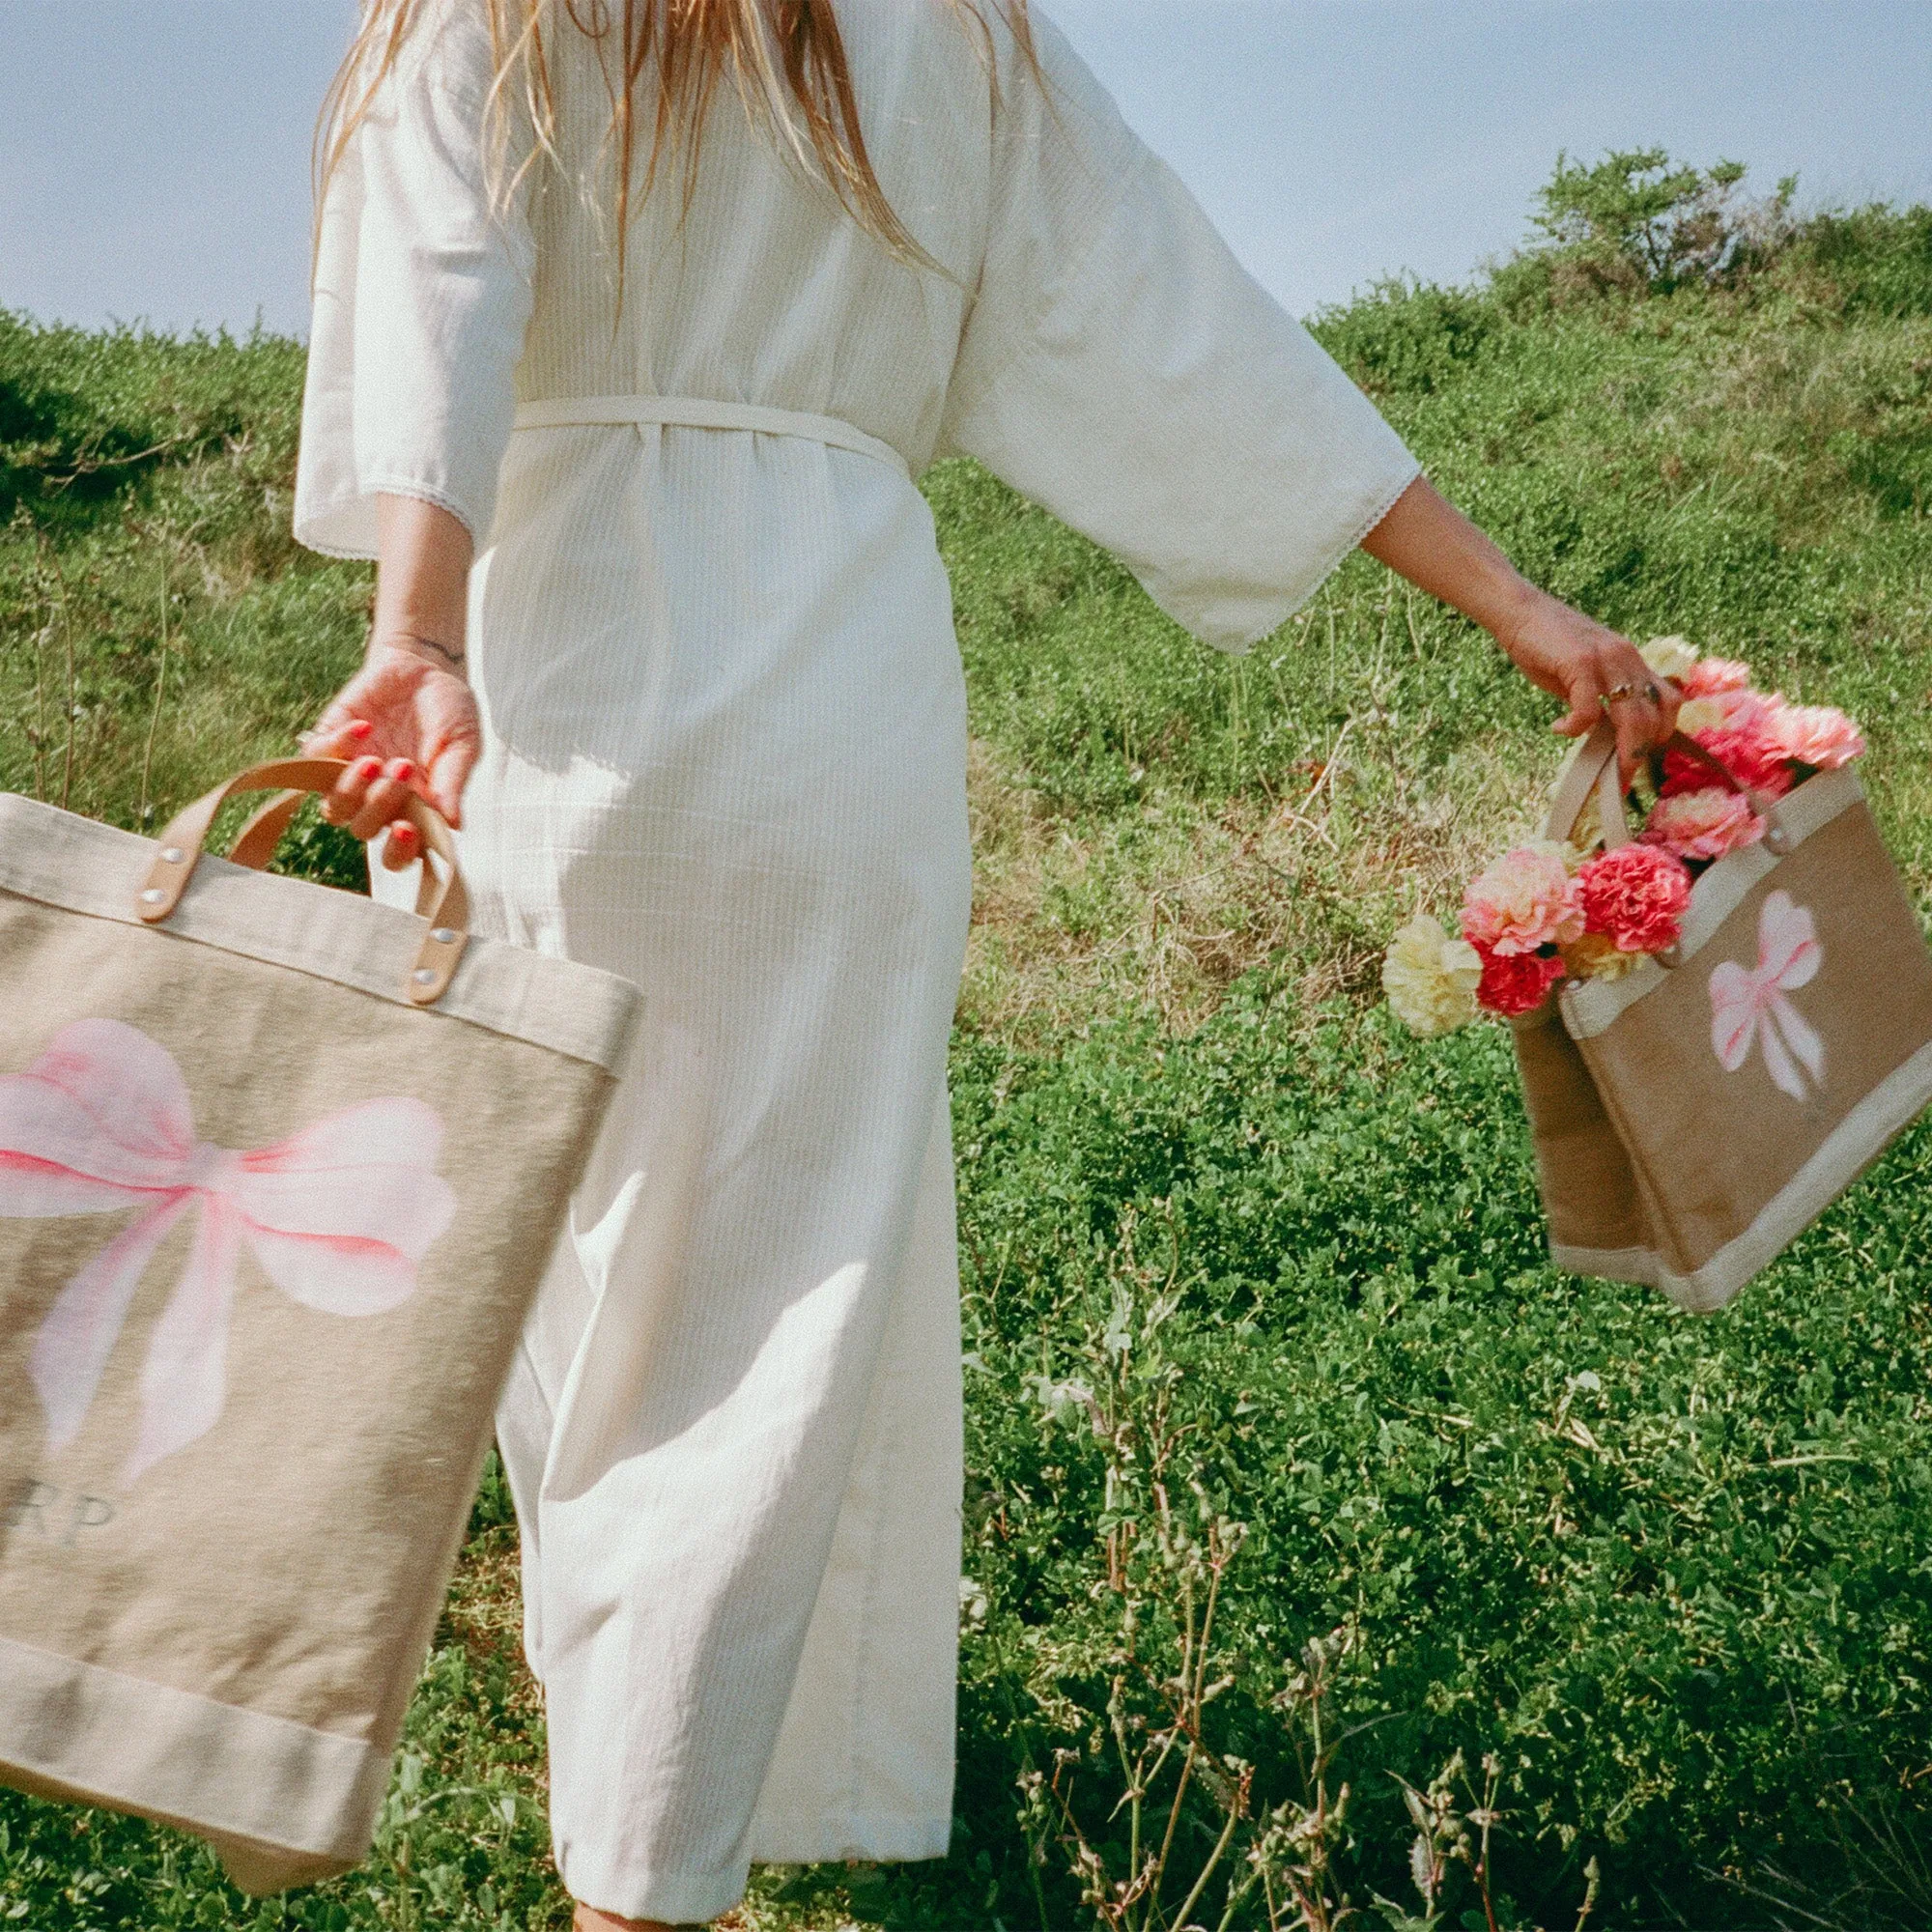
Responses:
[627,345]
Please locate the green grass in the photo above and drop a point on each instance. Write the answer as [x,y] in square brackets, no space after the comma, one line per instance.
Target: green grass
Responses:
[1256,1302]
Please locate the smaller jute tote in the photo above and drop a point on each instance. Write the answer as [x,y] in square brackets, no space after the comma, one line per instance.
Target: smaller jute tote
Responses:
[280,1169]
[1693,1118]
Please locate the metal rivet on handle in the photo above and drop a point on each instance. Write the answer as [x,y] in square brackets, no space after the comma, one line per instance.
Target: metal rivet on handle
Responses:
[424,976]
[444,936]
[173,855]
[1778,839]
[154,896]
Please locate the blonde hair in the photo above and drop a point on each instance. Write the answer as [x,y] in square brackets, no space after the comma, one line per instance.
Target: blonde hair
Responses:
[784,58]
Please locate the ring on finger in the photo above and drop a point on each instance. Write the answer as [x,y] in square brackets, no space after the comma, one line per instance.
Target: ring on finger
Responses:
[1648,692]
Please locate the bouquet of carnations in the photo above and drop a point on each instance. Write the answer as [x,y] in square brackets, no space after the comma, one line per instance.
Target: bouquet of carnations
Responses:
[1547,911]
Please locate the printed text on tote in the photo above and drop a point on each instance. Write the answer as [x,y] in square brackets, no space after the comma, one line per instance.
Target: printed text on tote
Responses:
[53,1514]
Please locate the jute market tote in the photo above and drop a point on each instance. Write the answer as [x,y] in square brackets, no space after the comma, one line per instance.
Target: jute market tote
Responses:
[279,1170]
[1693,1118]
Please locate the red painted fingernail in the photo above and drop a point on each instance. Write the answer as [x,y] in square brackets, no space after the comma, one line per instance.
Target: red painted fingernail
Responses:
[403,769]
[369,768]
[402,832]
[359,727]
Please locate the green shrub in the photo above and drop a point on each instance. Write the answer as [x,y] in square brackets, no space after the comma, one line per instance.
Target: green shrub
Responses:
[1408,337]
[1641,220]
[159,626]
[1669,1572]
[85,418]
[1879,258]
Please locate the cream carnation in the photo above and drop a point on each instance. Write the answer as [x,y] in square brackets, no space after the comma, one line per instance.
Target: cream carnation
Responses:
[1597,956]
[1525,900]
[1819,736]
[1669,657]
[1725,711]
[1703,824]
[1431,979]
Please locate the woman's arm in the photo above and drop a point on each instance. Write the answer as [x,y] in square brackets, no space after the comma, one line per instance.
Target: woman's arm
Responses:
[407,718]
[1426,539]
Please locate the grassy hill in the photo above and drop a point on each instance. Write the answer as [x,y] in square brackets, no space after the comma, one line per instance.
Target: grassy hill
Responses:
[1292,1463]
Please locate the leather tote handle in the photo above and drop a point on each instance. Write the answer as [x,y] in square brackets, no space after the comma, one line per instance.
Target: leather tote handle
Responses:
[444,902]
[256,842]
[1593,768]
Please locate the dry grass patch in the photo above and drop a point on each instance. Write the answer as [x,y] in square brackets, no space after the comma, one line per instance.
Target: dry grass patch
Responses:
[1162,907]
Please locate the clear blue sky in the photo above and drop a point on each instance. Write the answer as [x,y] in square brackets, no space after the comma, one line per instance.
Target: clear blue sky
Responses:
[154,154]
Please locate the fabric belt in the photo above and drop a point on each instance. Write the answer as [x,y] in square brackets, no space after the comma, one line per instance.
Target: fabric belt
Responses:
[700,412]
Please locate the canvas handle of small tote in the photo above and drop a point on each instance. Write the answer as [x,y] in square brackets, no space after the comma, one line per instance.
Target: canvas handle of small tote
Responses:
[1593,768]
[442,902]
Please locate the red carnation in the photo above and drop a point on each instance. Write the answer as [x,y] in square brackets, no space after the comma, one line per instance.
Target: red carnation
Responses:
[1635,897]
[1744,743]
[1748,757]
[1516,982]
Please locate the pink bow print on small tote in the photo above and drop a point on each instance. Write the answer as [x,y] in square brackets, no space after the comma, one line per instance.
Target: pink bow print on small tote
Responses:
[1750,1005]
[338,1216]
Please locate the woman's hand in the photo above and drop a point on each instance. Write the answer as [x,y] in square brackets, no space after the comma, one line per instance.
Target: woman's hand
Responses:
[407,722]
[1596,672]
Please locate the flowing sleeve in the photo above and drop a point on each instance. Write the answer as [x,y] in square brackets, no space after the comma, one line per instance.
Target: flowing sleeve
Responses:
[422,296]
[1119,367]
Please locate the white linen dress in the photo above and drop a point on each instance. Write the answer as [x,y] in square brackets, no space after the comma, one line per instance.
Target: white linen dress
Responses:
[725,756]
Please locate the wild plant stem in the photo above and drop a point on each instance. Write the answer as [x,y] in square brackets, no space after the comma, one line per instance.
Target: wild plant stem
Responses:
[1033,1861]
[154,715]
[1187,1763]
[1318,1852]
[40,733]
[1235,1894]
[1186,1672]
[1207,1630]
[1135,1786]
[1592,1876]
[1490,1783]
[405,1915]
[1320,1762]
[1208,1870]
[72,694]
[1190,1716]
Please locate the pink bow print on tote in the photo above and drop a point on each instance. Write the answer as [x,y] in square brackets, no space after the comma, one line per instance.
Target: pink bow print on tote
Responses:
[1747,1006]
[338,1216]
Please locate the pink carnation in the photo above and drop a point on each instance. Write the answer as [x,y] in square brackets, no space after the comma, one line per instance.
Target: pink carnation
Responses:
[1744,740]
[1703,824]
[1709,676]
[1819,736]
[1525,900]
[1516,982]
[1635,897]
